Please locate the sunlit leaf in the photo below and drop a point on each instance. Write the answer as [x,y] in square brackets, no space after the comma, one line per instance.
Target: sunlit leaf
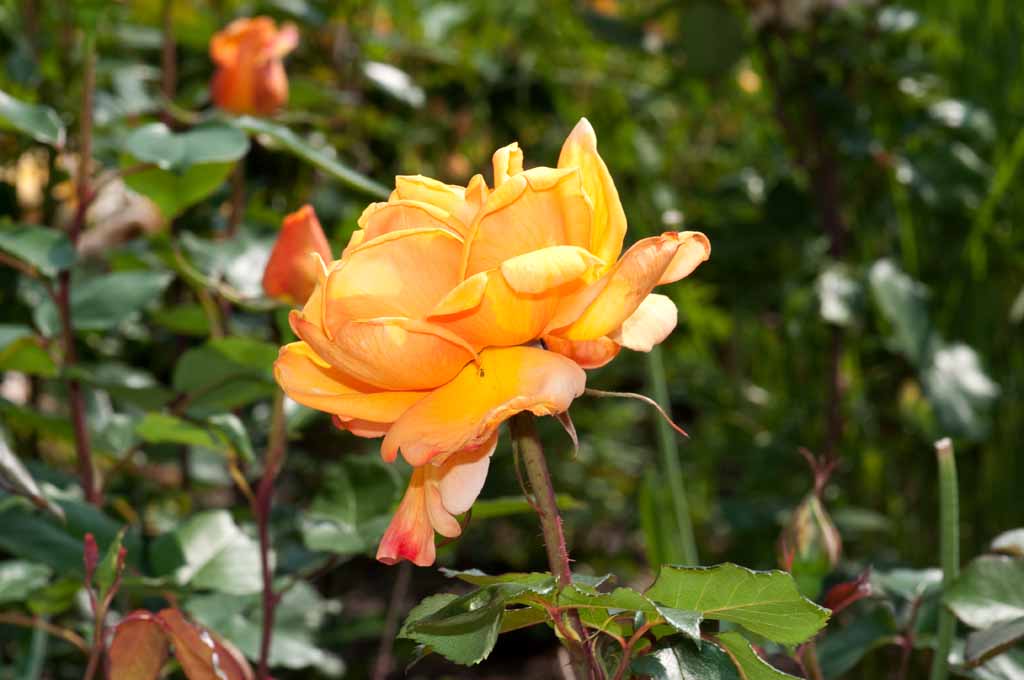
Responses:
[750,665]
[40,122]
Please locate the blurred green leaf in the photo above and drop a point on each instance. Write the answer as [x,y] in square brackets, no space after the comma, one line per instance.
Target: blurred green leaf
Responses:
[28,356]
[990,590]
[211,143]
[299,615]
[209,552]
[106,571]
[750,665]
[55,598]
[353,509]
[842,648]
[507,506]
[992,641]
[284,138]
[234,435]
[102,303]
[20,578]
[47,250]
[40,122]
[161,428]
[16,477]
[174,191]
[225,373]
[188,319]
[903,302]
[959,390]
[766,603]
[128,383]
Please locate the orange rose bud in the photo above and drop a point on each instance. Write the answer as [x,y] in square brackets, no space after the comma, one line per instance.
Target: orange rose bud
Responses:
[250,77]
[292,271]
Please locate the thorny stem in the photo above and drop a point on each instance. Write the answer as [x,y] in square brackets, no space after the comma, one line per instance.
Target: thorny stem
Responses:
[527,445]
[387,641]
[86,470]
[261,505]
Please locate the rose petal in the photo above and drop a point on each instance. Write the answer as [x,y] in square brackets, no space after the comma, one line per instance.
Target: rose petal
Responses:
[651,323]
[588,354]
[465,412]
[507,161]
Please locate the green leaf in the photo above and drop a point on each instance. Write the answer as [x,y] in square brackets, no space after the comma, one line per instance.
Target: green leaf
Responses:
[17,478]
[55,598]
[104,302]
[161,428]
[233,434]
[989,591]
[40,122]
[173,192]
[187,319]
[354,507]
[20,578]
[106,571]
[287,140]
[47,250]
[685,661]
[225,373]
[127,383]
[212,143]
[903,302]
[993,641]
[750,665]
[507,506]
[1009,543]
[540,582]
[463,629]
[765,603]
[959,389]
[299,616]
[209,551]
[842,648]
[28,356]
[908,584]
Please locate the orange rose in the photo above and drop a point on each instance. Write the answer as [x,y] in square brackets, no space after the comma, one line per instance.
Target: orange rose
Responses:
[250,77]
[452,309]
[292,270]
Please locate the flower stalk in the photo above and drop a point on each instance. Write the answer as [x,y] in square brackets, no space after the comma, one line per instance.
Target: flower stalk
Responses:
[528,449]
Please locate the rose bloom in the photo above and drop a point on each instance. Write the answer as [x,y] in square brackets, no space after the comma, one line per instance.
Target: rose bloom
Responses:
[454,308]
[250,77]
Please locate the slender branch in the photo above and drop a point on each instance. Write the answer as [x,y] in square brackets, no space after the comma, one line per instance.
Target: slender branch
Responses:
[86,470]
[261,506]
[69,636]
[527,445]
[387,641]
[237,199]
[168,59]
[949,525]
[96,652]
[627,651]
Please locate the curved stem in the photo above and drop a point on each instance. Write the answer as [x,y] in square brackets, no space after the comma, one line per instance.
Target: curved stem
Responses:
[261,505]
[527,446]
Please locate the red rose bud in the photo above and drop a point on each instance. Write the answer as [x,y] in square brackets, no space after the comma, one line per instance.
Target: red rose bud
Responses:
[91,556]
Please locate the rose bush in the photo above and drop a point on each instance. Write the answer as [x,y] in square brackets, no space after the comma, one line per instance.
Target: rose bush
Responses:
[454,308]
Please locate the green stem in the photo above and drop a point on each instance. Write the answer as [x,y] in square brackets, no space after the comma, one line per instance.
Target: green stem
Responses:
[528,449]
[669,448]
[949,526]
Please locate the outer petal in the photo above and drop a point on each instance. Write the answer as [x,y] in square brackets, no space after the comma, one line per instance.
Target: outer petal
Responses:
[608,226]
[308,379]
[461,477]
[403,273]
[292,270]
[465,412]
[507,161]
[446,197]
[534,209]
[410,535]
[587,353]
[392,353]
[361,428]
[542,270]
[608,302]
[651,323]
[395,215]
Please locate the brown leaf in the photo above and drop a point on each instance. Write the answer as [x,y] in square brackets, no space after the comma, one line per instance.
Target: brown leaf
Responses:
[201,655]
[139,648]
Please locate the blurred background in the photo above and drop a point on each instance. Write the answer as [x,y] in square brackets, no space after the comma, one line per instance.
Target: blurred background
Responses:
[854,163]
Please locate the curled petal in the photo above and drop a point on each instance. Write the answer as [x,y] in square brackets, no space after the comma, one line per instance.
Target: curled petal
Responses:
[310,381]
[541,270]
[651,323]
[604,305]
[410,535]
[396,215]
[462,475]
[361,428]
[423,189]
[507,161]
[293,270]
[608,226]
[587,353]
[392,353]
[465,412]
[402,273]
[534,209]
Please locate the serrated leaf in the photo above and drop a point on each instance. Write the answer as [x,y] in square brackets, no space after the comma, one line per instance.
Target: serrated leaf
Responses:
[763,602]
[40,122]
[538,582]
[986,644]
[47,250]
[685,661]
[989,591]
[748,663]
[286,139]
